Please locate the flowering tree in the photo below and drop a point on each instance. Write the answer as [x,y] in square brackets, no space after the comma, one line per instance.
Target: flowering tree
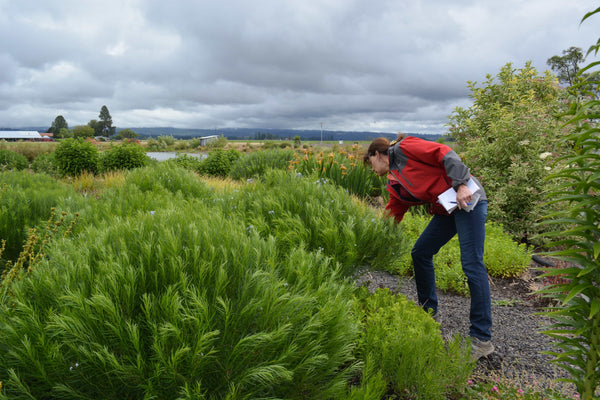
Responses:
[509,137]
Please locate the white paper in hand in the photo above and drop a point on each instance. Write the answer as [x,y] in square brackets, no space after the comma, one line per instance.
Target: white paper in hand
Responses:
[448,198]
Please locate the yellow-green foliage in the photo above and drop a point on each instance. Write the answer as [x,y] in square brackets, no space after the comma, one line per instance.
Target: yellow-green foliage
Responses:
[503,257]
[404,344]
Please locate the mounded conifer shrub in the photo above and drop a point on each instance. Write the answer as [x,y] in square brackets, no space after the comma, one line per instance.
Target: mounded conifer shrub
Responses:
[158,307]
[313,214]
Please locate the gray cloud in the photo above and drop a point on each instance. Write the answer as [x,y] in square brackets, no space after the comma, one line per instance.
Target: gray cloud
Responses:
[351,65]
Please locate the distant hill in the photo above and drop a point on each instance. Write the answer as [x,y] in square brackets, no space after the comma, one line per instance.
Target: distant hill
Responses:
[255,133]
[270,134]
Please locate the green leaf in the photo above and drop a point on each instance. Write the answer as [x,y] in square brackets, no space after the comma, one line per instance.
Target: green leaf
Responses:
[586,16]
[594,307]
[575,291]
[596,250]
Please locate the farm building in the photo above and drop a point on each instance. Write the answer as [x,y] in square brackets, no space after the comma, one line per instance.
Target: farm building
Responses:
[205,139]
[13,136]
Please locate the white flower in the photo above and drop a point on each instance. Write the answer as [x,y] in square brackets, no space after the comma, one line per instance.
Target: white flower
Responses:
[545,155]
[524,142]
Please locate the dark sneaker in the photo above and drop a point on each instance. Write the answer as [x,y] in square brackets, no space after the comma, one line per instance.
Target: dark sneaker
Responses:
[480,348]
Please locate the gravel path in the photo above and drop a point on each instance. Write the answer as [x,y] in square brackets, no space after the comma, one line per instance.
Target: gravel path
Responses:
[515,333]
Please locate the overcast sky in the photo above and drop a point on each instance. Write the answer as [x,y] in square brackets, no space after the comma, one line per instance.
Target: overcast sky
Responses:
[387,66]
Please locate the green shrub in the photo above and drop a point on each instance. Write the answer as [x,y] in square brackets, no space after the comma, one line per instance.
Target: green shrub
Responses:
[510,138]
[11,160]
[157,307]
[170,178]
[255,164]
[218,162]
[155,145]
[269,144]
[74,156]
[165,140]
[124,156]
[404,345]
[503,257]
[302,213]
[218,143]
[26,200]
[181,145]
[44,163]
[186,161]
[194,143]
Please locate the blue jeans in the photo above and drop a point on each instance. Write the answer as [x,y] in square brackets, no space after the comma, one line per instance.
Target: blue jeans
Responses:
[470,227]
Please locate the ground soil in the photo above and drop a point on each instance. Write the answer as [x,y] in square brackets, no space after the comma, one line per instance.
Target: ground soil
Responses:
[516,327]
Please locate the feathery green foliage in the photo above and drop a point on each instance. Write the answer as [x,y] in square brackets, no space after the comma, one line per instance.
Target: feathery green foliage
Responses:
[26,200]
[403,344]
[170,289]
[157,307]
[316,216]
[255,164]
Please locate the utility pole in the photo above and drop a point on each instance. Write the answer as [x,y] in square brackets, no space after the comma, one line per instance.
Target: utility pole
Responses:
[321,133]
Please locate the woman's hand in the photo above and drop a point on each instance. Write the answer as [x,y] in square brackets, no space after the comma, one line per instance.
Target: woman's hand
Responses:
[463,196]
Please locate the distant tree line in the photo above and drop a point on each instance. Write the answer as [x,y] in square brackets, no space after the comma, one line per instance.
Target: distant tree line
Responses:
[103,126]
